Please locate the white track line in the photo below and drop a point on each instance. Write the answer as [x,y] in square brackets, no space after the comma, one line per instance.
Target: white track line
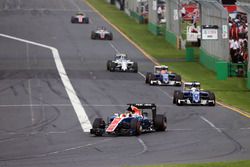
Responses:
[74,3]
[145,147]
[30,101]
[211,124]
[75,101]
[116,50]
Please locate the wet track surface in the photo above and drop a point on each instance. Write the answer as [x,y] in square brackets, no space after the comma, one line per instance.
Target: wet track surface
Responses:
[38,125]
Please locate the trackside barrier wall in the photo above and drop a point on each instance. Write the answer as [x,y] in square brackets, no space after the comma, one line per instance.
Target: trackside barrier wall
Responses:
[111,1]
[173,32]
[214,50]
[120,4]
[132,8]
[153,18]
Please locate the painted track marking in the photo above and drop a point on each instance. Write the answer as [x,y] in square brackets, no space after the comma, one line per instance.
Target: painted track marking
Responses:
[75,101]
[145,147]
[211,124]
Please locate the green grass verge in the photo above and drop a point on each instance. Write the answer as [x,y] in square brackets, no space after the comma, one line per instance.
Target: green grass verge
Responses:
[216,164]
[232,91]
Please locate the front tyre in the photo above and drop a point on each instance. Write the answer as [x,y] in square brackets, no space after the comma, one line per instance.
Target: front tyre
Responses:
[136,127]
[98,126]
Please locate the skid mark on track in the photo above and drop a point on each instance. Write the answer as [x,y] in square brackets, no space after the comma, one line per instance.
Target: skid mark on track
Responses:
[55,152]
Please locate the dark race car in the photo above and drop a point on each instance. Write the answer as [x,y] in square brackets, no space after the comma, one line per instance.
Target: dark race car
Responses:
[122,63]
[133,122]
[80,18]
[193,95]
[162,76]
[102,33]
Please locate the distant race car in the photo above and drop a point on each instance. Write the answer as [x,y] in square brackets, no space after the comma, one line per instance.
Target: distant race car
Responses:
[102,33]
[193,95]
[122,63]
[80,18]
[133,122]
[162,76]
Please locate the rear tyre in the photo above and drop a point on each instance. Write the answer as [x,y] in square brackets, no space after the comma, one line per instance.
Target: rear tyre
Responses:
[72,20]
[151,77]
[109,64]
[160,122]
[135,67]
[147,77]
[93,35]
[178,78]
[110,37]
[175,96]
[86,20]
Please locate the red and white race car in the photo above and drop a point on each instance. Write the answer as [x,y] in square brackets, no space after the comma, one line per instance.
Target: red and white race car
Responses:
[134,121]
[80,18]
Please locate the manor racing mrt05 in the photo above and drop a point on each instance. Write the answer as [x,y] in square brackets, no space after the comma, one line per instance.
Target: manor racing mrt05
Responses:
[137,119]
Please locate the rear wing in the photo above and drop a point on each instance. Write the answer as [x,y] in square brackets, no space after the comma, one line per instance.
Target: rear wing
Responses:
[142,106]
[157,69]
[189,85]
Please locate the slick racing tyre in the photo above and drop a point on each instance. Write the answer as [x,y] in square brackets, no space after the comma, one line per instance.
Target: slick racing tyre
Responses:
[110,37]
[148,76]
[160,122]
[211,96]
[180,96]
[112,67]
[136,127]
[93,35]
[176,92]
[135,67]
[177,78]
[109,64]
[86,20]
[99,126]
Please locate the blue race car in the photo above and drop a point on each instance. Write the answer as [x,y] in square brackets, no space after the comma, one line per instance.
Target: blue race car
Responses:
[133,122]
[162,76]
[193,95]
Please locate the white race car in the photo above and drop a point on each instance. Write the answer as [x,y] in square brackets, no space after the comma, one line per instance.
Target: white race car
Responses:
[122,63]
[80,18]
[102,33]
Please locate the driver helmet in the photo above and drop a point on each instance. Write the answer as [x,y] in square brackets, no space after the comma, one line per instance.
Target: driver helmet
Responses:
[193,89]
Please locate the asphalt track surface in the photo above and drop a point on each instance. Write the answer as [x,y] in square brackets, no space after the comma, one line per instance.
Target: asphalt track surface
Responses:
[38,125]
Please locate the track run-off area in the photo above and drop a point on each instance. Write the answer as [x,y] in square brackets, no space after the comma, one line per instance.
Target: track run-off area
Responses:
[54,83]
